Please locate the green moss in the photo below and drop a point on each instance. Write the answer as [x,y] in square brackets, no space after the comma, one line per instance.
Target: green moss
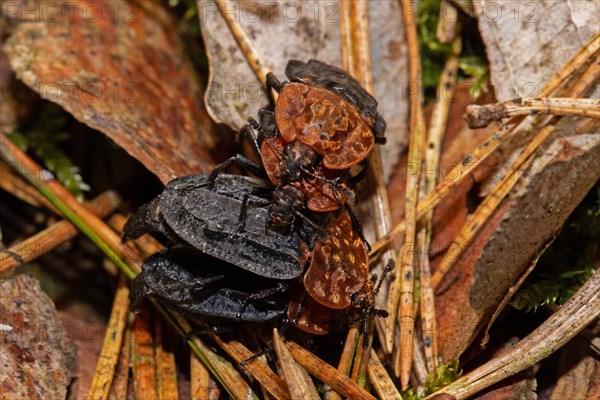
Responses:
[434,54]
[42,137]
[443,376]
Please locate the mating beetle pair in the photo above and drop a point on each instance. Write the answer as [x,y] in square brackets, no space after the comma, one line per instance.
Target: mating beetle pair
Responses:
[322,124]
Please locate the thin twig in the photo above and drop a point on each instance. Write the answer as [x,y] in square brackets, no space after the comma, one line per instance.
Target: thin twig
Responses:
[480,116]
[166,370]
[405,280]
[244,43]
[113,344]
[22,190]
[381,380]
[102,236]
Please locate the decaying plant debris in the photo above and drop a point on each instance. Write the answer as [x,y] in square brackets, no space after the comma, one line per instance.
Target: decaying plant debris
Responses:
[489,299]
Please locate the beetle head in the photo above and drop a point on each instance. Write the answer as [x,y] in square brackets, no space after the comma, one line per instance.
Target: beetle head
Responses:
[297,156]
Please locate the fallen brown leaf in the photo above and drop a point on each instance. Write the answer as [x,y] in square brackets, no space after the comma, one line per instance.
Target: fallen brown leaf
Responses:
[124,74]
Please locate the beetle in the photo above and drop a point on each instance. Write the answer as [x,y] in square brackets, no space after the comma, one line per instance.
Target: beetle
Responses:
[208,219]
[322,124]
[207,289]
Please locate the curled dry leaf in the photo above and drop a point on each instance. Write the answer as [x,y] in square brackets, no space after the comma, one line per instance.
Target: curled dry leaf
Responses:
[120,68]
[36,354]
[537,207]
[280,31]
[527,41]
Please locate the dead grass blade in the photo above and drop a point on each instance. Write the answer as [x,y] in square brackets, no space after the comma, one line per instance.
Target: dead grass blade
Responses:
[405,280]
[561,327]
[113,343]
[466,6]
[166,369]
[142,355]
[458,173]
[380,379]
[298,381]
[53,236]
[419,366]
[199,380]
[118,390]
[447,22]
[479,116]
[256,368]
[359,369]
[435,136]
[428,322]
[244,43]
[326,373]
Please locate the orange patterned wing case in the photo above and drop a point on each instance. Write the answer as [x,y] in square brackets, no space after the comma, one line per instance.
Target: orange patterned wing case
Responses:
[314,318]
[339,266]
[324,121]
[270,154]
[320,193]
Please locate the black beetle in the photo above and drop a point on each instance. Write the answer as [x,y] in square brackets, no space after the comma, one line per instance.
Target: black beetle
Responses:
[218,221]
[208,290]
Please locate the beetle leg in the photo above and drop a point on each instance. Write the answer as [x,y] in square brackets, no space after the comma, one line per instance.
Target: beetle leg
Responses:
[267,350]
[245,163]
[261,294]
[356,225]
[334,183]
[316,226]
[251,131]
[244,208]
[299,311]
[391,264]
[273,83]
[361,174]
